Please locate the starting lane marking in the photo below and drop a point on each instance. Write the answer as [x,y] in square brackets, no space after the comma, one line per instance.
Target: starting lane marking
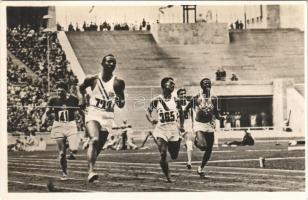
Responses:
[45,186]
[197,182]
[178,165]
[110,182]
[158,168]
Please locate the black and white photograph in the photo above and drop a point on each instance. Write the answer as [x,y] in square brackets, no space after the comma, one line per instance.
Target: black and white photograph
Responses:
[177,97]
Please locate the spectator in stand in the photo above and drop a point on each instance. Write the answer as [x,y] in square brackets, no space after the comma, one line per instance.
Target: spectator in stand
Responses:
[59,27]
[234,77]
[232,116]
[148,26]
[221,74]
[231,26]
[241,25]
[84,26]
[24,92]
[237,24]
[228,121]
[77,28]
[143,23]
[70,27]
[237,119]
[263,117]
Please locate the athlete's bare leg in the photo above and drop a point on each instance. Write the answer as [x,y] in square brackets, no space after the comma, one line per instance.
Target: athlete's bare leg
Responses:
[162,147]
[204,141]
[97,141]
[189,148]
[174,149]
[61,143]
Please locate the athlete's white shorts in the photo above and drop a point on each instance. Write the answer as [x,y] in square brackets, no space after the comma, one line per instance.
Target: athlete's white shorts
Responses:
[105,119]
[67,130]
[168,132]
[204,127]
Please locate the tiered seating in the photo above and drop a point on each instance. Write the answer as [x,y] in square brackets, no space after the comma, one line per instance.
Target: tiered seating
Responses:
[251,55]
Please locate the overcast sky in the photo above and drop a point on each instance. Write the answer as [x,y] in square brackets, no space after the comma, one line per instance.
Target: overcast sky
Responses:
[133,14]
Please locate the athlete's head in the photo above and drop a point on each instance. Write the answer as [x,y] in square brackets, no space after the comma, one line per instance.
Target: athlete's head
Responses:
[109,63]
[181,93]
[167,84]
[61,89]
[205,84]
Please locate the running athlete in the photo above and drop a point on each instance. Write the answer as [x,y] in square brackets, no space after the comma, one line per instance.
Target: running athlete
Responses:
[188,125]
[166,131]
[106,92]
[64,126]
[206,110]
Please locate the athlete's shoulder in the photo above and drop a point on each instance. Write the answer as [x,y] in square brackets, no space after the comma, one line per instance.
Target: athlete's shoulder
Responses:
[156,98]
[119,79]
[72,98]
[90,79]
[214,97]
[53,99]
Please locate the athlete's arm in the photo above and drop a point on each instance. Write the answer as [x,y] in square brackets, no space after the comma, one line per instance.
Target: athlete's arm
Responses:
[182,115]
[118,87]
[216,107]
[79,109]
[48,111]
[192,103]
[152,106]
[88,81]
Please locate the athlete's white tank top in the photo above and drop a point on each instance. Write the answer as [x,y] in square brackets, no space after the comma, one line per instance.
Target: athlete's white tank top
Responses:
[167,115]
[102,96]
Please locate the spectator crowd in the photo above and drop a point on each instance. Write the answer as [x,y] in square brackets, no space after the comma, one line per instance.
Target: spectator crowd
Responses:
[105,26]
[28,95]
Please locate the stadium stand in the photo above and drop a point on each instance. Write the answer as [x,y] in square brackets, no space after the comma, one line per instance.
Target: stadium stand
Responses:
[253,55]
[28,85]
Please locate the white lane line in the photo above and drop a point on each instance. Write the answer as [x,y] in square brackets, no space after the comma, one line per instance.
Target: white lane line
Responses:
[110,182]
[181,152]
[250,159]
[182,170]
[177,174]
[45,186]
[138,153]
[175,164]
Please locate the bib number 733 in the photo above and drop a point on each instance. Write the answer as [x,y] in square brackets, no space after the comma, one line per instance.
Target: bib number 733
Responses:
[103,104]
[168,116]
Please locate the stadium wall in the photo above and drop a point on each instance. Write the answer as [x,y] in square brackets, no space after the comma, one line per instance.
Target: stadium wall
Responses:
[296,104]
[191,33]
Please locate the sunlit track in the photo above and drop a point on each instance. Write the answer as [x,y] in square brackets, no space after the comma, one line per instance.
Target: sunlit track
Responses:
[44,186]
[130,171]
[250,185]
[174,164]
[177,174]
[99,166]
[113,183]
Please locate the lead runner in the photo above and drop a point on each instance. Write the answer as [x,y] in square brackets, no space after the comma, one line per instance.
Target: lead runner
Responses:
[107,91]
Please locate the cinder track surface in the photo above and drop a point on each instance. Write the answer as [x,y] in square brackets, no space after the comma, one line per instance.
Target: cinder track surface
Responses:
[230,169]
